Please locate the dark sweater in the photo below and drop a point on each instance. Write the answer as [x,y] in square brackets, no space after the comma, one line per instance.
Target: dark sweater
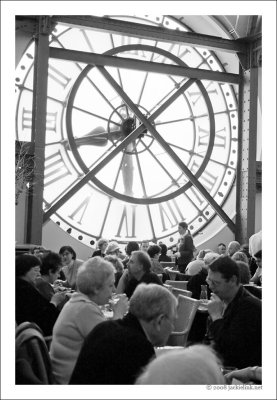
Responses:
[237,337]
[33,307]
[113,353]
[148,277]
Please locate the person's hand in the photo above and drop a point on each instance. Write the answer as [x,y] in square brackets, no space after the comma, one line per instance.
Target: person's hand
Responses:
[177,254]
[120,305]
[244,375]
[58,298]
[215,307]
[122,282]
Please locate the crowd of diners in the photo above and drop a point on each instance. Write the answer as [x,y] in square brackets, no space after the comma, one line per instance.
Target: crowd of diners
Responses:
[68,298]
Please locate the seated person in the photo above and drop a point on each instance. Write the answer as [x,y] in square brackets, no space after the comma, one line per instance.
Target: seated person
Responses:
[131,246]
[257,277]
[194,267]
[30,305]
[144,245]
[221,249]
[70,266]
[251,260]
[102,245]
[115,351]
[195,281]
[202,253]
[113,249]
[139,270]
[244,272]
[163,256]
[240,256]
[51,264]
[118,265]
[95,283]
[193,365]
[154,252]
[234,326]
[232,248]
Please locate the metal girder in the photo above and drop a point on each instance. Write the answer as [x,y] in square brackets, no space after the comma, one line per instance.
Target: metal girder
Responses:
[152,32]
[246,167]
[34,218]
[128,63]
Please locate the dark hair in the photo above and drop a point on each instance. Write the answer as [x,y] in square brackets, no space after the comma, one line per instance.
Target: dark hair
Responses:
[131,246]
[50,262]
[153,249]
[244,272]
[222,244]
[163,249]
[68,248]
[24,263]
[183,224]
[226,266]
[144,259]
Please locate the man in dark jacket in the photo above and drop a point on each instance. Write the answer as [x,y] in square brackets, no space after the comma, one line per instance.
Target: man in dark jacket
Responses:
[138,271]
[235,320]
[116,351]
[185,247]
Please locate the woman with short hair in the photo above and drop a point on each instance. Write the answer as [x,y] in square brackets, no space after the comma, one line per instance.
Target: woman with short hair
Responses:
[31,306]
[51,264]
[70,266]
[95,285]
[102,246]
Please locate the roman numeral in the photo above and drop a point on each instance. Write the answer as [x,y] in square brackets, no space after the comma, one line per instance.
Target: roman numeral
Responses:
[55,169]
[80,210]
[170,214]
[51,120]
[204,135]
[207,179]
[128,220]
[197,196]
[197,94]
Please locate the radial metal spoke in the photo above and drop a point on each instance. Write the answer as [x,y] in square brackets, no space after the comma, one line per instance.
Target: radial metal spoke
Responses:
[93,84]
[145,195]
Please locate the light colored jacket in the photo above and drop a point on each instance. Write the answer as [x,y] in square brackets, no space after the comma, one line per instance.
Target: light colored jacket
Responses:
[77,318]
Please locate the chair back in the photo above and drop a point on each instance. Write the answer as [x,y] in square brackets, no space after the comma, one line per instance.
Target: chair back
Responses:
[186,311]
[182,292]
[33,364]
[178,284]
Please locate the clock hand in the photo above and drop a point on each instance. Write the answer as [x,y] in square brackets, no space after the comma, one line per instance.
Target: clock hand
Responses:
[127,169]
[97,137]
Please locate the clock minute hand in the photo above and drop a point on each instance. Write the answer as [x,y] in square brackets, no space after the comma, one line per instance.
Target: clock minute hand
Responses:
[97,137]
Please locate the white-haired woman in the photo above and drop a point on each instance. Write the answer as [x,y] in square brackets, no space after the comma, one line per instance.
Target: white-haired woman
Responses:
[95,284]
[194,365]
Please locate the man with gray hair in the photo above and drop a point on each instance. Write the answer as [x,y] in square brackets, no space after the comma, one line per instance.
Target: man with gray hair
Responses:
[115,351]
[232,248]
[139,271]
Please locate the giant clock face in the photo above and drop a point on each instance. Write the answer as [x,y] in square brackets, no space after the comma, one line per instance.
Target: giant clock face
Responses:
[130,132]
